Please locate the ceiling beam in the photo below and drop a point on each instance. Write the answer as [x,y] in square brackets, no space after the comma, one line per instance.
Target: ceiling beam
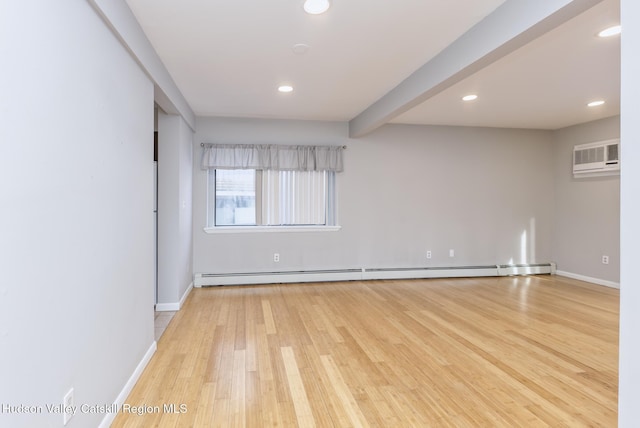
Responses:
[511,26]
[121,21]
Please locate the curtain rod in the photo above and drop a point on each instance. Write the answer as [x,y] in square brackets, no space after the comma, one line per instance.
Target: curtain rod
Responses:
[202,145]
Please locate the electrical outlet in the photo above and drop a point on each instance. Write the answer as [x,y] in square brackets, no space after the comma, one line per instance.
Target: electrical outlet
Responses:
[276,257]
[605,260]
[428,254]
[68,407]
[452,253]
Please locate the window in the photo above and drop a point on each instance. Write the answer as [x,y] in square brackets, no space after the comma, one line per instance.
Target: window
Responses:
[234,197]
[271,187]
[249,197]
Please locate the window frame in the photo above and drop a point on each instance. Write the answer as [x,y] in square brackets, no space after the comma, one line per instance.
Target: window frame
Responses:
[330,206]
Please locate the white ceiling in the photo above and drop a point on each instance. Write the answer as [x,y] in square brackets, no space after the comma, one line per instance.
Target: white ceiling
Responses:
[228,57]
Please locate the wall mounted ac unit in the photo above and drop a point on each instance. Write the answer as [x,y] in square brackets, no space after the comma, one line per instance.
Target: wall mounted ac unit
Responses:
[596,159]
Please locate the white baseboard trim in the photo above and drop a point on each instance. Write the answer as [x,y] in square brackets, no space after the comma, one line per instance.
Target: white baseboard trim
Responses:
[109,417]
[176,306]
[597,281]
[206,280]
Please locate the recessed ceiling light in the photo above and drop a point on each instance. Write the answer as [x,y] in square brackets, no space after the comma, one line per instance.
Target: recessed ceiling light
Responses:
[316,7]
[285,88]
[611,31]
[469,97]
[595,103]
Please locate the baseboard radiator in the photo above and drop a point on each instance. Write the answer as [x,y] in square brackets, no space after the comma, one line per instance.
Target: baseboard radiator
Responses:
[212,279]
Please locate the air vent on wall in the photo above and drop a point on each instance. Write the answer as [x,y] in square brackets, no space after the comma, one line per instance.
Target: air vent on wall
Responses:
[596,159]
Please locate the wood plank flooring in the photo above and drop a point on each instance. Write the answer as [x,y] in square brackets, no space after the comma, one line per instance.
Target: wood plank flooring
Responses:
[484,352]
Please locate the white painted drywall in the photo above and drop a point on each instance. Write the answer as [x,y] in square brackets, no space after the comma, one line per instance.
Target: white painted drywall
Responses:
[486,193]
[629,375]
[175,141]
[587,214]
[121,20]
[76,224]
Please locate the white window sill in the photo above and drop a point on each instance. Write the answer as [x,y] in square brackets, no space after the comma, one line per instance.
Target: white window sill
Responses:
[270,229]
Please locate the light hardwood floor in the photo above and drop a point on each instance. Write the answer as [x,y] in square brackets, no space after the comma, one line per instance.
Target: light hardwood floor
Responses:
[483,352]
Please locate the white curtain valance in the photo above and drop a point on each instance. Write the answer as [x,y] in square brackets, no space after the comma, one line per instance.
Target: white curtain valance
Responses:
[272,157]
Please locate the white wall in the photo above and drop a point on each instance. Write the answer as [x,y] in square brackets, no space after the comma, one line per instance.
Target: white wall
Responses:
[76,224]
[121,20]
[587,215]
[629,375]
[486,193]
[175,141]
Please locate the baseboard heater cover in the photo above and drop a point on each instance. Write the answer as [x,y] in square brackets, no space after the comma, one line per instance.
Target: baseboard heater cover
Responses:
[328,275]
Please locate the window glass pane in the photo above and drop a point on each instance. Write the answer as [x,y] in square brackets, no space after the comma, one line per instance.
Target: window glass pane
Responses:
[235,197]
